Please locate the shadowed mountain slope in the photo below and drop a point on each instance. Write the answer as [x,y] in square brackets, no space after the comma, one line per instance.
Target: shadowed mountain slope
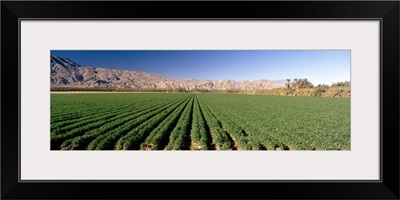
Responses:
[67,73]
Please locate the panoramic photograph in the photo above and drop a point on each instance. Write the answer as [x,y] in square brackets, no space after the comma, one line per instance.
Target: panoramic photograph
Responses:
[196,100]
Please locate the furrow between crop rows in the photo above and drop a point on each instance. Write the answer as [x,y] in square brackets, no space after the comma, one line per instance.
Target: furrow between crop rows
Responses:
[220,138]
[180,135]
[60,113]
[81,142]
[265,138]
[199,134]
[57,140]
[69,121]
[68,112]
[238,135]
[86,106]
[135,137]
[158,138]
[184,121]
[89,122]
[108,141]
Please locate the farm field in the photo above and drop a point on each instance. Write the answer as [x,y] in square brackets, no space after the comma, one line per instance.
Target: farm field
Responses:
[188,121]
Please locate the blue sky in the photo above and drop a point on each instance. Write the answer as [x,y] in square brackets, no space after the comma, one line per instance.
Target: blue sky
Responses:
[318,66]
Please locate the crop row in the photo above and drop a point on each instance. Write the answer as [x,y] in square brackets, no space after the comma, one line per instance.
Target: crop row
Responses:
[201,140]
[108,141]
[70,124]
[220,138]
[155,129]
[239,136]
[200,122]
[77,138]
[180,138]
[302,123]
[128,122]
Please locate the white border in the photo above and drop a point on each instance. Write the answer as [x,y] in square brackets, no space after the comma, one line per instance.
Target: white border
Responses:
[39,163]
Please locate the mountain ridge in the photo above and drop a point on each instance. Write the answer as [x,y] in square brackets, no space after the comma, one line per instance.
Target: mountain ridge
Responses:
[67,73]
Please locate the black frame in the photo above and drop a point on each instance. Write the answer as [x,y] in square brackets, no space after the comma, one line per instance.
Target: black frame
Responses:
[386,11]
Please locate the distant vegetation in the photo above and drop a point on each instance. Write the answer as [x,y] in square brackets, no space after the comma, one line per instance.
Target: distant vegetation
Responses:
[303,87]
[295,87]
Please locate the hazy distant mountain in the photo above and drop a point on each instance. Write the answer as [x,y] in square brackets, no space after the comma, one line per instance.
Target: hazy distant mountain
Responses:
[65,72]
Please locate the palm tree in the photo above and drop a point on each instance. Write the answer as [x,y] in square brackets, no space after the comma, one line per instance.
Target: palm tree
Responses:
[288,82]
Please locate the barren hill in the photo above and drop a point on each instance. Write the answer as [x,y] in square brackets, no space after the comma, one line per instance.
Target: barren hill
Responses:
[67,73]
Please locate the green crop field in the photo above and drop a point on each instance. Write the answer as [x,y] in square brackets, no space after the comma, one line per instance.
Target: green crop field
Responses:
[187,121]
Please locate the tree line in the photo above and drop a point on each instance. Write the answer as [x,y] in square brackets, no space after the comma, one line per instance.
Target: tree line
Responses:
[303,87]
[295,87]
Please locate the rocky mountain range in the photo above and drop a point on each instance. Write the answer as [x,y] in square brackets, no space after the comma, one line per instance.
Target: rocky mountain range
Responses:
[67,73]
